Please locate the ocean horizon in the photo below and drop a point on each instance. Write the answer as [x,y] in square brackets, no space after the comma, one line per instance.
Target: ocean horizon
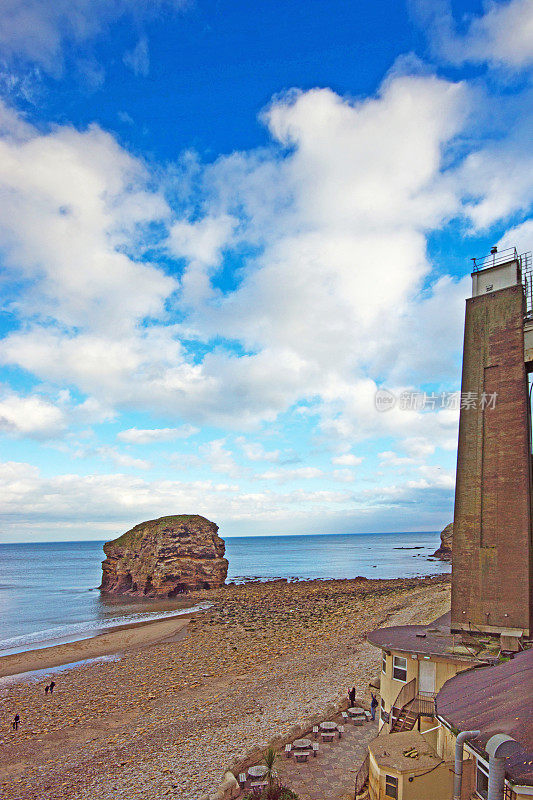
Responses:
[49,590]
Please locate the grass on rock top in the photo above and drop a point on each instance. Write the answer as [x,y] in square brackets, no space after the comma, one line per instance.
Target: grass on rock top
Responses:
[153,525]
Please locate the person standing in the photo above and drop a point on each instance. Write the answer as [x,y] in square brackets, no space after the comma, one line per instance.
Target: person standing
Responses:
[351,696]
[16,721]
[373,705]
[52,684]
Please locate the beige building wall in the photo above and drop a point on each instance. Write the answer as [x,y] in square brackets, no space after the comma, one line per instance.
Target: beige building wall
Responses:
[390,687]
[437,784]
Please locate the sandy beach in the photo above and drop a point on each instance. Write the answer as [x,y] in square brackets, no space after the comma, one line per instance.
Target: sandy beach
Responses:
[182,702]
[123,637]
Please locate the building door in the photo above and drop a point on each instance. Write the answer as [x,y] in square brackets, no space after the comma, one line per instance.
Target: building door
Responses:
[426,677]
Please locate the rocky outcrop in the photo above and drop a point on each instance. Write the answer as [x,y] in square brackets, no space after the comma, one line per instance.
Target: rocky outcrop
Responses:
[165,557]
[446,541]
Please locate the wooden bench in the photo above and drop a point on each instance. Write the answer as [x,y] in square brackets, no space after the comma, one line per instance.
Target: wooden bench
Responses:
[258,784]
[340,729]
[242,779]
[315,748]
[288,748]
[302,755]
[327,736]
[315,730]
[345,717]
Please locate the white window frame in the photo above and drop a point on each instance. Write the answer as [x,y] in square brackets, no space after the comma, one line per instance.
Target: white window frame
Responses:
[482,766]
[392,778]
[395,666]
[384,663]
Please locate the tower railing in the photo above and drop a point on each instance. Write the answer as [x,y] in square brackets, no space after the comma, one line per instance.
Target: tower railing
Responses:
[494,258]
[526,267]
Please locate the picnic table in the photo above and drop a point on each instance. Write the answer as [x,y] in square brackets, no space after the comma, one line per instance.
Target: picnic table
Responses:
[357,715]
[259,771]
[302,744]
[328,726]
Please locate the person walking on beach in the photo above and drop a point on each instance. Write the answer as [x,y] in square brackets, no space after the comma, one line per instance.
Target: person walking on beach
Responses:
[16,722]
[52,684]
[373,705]
[351,696]
[46,689]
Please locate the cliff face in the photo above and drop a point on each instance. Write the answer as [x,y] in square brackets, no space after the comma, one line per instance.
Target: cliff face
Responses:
[446,541]
[164,557]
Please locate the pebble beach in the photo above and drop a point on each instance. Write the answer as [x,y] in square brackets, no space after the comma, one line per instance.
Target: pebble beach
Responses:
[168,715]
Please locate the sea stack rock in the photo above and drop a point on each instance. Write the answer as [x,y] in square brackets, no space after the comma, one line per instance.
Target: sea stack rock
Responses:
[165,557]
[446,541]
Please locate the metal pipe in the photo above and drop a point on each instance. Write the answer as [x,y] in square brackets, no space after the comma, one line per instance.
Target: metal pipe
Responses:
[496,778]
[458,771]
[496,765]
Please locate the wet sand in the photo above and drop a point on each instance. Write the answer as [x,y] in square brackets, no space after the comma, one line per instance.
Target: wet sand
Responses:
[123,637]
[167,717]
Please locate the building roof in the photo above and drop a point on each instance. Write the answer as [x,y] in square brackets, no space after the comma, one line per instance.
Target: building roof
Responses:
[434,639]
[495,699]
[388,751]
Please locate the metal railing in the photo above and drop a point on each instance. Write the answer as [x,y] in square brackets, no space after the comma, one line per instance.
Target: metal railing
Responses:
[405,695]
[495,257]
[425,704]
[526,268]
[362,775]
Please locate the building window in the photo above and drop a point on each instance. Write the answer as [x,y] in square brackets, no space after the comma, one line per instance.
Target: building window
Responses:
[399,668]
[391,786]
[384,663]
[482,780]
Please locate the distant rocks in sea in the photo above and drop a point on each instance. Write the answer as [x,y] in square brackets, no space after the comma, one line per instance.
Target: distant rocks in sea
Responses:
[165,557]
[446,542]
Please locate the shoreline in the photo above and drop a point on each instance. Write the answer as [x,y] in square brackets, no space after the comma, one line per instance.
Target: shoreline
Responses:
[119,638]
[191,696]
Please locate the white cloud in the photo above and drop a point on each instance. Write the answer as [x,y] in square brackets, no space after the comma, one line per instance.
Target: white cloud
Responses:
[219,458]
[122,459]
[501,36]
[38,30]
[201,243]
[343,475]
[391,459]
[69,187]
[256,452]
[336,214]
[138,59]
[347,460]
[148,436]
[521,237]
[287,475]
[31,416]
[102,506]
[29,501]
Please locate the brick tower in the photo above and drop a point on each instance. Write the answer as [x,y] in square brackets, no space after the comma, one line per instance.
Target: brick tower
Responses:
[492,588]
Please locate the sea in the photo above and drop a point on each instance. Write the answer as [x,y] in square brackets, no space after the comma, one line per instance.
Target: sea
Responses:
[49,594]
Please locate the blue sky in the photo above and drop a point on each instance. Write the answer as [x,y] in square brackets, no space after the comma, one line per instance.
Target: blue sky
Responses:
[224,228]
